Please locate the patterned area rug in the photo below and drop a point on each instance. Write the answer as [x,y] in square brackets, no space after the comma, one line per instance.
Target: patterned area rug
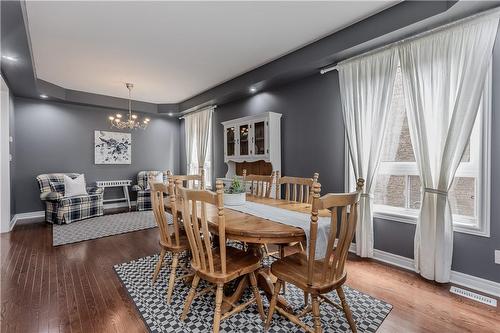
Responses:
[101,226]
[368,312]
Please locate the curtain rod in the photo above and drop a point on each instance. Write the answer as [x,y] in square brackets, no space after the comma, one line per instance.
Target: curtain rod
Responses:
[213,107]
[481,15]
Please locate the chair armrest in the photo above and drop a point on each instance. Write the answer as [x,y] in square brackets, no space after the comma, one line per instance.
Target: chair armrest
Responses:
[95,190]
[51,196]
[137,188]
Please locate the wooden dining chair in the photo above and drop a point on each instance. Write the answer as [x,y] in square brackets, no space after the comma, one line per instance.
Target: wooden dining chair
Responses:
[260,185]
[320,276]
[297,189]
[172,238]
[189,181]
[217,265]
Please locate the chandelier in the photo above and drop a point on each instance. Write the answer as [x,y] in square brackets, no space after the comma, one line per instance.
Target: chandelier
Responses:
[132,122]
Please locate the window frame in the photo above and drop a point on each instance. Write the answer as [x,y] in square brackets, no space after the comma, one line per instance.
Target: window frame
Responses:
[480,159]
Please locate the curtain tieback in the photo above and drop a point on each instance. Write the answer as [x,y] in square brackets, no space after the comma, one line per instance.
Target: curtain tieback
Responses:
[367,195]
[434,191]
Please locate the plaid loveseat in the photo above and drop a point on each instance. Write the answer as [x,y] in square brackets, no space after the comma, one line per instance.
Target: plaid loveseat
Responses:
[144,194]
[60,209]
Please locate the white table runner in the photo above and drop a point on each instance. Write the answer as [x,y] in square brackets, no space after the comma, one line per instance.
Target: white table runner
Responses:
[292,218]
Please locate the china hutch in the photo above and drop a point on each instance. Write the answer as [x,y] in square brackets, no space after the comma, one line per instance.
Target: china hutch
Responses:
[253,142]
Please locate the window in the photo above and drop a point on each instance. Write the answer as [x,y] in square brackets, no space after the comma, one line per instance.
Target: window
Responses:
[397,191]
[193,169]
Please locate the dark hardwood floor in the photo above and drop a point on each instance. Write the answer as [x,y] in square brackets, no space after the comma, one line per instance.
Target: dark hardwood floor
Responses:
[73,288]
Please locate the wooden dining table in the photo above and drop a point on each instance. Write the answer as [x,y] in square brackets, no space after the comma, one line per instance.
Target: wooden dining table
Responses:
[256,231]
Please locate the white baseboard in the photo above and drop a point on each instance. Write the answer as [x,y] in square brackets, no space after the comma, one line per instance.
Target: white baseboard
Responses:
[41,214]
[462,279]
[476,283]
[25,216]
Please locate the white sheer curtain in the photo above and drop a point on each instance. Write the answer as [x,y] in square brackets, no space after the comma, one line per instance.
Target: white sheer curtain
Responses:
[198,131]
[443,79]
[366,86]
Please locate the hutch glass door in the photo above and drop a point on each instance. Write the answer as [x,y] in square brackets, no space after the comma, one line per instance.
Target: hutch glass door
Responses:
[230,141]
[259,138]
[244,140]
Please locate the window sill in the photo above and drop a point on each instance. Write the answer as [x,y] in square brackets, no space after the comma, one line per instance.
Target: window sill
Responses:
[406,216]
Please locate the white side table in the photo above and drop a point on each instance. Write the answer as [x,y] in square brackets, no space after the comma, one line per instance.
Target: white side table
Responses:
[124,184]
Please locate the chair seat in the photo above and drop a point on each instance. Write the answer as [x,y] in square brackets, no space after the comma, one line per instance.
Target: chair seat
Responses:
[293,269]
[183,243]
[238,263]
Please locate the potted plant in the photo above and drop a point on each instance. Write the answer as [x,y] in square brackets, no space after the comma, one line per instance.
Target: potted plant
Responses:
[236,193]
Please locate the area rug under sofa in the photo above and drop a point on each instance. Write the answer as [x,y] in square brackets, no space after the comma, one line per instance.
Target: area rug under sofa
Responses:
[102,226]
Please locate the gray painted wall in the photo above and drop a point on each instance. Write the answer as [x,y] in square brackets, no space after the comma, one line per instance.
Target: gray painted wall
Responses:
[59,137]
[312,133]
[313,141]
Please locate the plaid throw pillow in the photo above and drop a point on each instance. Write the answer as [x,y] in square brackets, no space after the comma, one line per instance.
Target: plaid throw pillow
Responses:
[57,187]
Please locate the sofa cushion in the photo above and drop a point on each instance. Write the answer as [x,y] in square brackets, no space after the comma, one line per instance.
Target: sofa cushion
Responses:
[77,200]
[74,187]
[155,178]
[45,179]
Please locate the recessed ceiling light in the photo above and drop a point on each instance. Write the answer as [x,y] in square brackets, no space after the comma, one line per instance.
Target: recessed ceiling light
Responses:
[253,89]
[170,114]
[9,58]
[44,96]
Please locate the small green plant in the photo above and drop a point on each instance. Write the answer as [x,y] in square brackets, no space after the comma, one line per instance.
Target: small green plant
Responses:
[237,186]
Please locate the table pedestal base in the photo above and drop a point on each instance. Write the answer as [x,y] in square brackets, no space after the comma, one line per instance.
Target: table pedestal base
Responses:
[265,282]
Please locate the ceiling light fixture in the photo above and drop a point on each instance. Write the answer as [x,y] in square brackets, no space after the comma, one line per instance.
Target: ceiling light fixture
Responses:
[170,114]
[9,58]
[133,121]
[44,96]
[253,89]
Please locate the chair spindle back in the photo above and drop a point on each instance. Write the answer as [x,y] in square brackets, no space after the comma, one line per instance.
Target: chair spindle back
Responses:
[297,189]
[189,181]
[336,253]
[194,212]
[158,191]
[260,185]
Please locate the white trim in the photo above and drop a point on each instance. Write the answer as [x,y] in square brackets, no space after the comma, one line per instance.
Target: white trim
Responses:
[476,283]
[461,279]
[41,213]
[408,216]
[4,157]
[25,216]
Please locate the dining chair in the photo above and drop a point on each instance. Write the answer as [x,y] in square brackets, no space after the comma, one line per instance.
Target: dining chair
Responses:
[297,189]
[260,185]
[172,238]
[189,181]
[320,276]
[215,264]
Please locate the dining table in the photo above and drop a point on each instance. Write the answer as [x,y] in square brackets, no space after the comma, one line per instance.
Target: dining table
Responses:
[256,231]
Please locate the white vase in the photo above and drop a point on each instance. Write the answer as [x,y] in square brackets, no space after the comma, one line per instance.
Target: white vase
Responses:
[234,199]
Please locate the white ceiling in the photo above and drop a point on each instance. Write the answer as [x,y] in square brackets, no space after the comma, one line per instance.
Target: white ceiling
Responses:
[173,50]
